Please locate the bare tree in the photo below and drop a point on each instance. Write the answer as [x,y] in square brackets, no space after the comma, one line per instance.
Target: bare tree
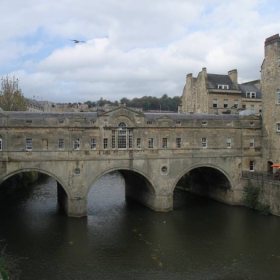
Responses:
[11,97]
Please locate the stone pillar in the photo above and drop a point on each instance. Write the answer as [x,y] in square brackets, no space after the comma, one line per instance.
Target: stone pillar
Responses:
[73,206]
[77,207]
[161,203]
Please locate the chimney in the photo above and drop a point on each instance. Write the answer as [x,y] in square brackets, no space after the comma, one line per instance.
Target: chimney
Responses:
[233,76]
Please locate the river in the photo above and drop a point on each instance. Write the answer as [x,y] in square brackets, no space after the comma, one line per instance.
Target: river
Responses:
[122,239]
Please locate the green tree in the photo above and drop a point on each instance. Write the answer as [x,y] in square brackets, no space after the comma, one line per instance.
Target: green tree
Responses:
[11,97]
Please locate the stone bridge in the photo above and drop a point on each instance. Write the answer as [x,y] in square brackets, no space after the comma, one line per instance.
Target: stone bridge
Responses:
[152,151]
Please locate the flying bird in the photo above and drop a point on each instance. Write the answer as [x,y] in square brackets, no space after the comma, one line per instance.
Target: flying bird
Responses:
[77,41]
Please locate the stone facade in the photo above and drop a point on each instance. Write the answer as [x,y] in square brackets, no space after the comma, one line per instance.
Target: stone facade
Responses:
[270,71]
[151,150]
[219,94]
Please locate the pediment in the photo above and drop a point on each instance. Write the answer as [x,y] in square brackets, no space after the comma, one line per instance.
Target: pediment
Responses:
[121,114]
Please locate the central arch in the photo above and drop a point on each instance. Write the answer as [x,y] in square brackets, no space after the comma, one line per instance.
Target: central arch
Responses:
[138,186]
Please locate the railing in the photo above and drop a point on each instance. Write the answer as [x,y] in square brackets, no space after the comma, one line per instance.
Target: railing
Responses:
[262,176]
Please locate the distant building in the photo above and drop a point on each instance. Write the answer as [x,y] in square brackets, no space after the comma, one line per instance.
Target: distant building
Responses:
[219,94]
[34,105]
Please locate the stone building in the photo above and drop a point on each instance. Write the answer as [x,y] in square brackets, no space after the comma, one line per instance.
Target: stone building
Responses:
[219,94]
[270,78]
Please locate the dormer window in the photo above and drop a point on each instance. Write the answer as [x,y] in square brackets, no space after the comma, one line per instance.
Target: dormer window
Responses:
[223,87]
[251,94]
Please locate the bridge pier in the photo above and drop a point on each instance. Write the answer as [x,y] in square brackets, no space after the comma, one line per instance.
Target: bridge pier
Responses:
[73,206]
[140,189]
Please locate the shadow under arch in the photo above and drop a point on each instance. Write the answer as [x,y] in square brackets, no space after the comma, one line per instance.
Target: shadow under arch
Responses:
[206,180]
[59,182]
[138,186]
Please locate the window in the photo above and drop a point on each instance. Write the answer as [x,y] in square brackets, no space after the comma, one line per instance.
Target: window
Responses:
[225,103]
[60,144]
[29,144]
[252,108]
[278,96]
[178,122]
[138,143]
[122,136]
[215,103]
[149,122]
[164,143]
[236,104]
[113,139]
[178,143]
[204,142]
[130,139]
[105,143]
[0,144]
[252,143]
[228,142]
[251,165]
[260,108]
[251,95]
[92,143]
[223,86]
[151,143]
[77,144]
[277,127]
[204,123]
[244,106]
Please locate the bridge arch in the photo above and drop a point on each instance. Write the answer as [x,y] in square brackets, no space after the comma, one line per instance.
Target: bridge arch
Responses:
[207,180]
[8,175]
[138,185]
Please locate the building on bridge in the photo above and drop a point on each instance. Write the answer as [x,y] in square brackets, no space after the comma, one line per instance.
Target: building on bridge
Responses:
[152,151]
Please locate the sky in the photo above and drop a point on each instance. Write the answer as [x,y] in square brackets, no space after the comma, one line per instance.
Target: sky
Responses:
[131,48]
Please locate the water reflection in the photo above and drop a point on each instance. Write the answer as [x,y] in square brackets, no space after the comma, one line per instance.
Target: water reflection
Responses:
[121,239]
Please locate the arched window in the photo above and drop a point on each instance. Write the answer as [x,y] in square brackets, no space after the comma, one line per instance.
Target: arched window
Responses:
[122,135]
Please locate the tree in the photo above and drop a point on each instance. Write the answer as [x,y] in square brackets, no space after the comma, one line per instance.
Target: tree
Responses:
[11,97]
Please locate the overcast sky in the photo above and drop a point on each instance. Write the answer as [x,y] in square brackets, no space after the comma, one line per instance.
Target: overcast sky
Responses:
[132,48]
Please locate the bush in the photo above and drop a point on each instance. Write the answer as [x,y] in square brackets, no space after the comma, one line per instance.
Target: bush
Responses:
[251,195]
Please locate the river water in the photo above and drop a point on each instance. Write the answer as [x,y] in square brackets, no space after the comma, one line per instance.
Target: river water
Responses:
[122,239]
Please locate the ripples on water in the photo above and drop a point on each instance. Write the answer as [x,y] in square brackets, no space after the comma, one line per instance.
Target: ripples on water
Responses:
[121,239]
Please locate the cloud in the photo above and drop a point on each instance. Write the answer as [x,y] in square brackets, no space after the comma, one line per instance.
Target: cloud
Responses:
[132,48]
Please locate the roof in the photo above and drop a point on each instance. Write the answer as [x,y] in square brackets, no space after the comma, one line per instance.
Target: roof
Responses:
[213,80]
[250,88]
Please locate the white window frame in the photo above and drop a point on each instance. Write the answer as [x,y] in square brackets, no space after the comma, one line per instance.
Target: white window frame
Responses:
[204,142]
[252,108]
[225,103]
[178,143]
[61,144]
[251,166]
[29,144]
[93,144]
[223,86]
[105,143]
[252,143]
[215,103]
[228,143]
[76,144]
